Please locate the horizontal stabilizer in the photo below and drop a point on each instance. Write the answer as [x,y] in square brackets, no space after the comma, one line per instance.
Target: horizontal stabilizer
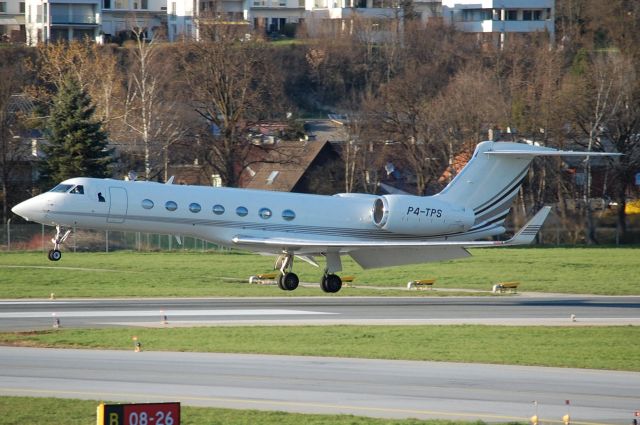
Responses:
[528,233]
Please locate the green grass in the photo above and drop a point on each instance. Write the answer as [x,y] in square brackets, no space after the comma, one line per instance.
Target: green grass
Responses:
[578,347]
[611,271]
[52,411]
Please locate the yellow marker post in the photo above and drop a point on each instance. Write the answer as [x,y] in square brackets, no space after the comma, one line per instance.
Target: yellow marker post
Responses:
[566,419]
[534,420]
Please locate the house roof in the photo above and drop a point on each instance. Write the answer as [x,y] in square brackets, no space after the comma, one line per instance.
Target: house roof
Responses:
[285,166]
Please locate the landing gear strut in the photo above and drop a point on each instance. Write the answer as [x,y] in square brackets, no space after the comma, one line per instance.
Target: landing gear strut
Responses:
[287,281]
[55,254]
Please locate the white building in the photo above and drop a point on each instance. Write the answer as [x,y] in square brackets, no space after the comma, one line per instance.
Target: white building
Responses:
[120,16]
[497,18]
[106,20]
[12,15]
[50,20]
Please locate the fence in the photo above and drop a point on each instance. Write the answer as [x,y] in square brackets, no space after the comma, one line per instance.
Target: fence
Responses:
[34,237]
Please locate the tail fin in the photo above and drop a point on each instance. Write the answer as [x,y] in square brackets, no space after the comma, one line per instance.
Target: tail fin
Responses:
[490,181]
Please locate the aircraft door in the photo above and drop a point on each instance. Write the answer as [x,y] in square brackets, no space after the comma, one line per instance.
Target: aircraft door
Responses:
[118,204]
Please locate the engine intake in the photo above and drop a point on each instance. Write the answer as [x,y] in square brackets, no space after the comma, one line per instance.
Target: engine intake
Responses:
[421,216]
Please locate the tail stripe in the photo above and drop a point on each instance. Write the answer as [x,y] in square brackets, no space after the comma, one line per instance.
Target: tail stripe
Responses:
[513,184]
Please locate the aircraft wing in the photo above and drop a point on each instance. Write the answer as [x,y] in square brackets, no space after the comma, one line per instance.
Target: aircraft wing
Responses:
[524,236]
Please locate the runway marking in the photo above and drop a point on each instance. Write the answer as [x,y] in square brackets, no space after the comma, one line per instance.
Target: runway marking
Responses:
[157,313]
[105,395]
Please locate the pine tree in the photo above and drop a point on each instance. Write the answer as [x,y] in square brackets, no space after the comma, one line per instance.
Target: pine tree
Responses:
[76,144]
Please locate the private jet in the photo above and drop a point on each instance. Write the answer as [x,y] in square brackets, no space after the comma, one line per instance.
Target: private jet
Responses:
[374,230]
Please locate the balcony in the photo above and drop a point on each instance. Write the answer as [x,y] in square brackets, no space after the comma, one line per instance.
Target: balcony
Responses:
[505,26]
[73,20]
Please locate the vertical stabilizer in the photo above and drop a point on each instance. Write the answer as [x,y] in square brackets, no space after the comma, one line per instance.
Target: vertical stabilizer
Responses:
[490,181]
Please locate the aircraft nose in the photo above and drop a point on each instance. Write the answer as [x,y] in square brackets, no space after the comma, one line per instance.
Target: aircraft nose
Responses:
[31,209]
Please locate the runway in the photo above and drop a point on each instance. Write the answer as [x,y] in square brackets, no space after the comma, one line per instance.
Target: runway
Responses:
[377,388]
[17,315]
[380,388]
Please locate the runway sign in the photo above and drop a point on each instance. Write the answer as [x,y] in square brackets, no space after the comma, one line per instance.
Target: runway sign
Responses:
[139,414]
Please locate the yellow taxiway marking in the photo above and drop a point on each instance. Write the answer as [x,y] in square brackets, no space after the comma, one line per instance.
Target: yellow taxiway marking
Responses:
[104,395]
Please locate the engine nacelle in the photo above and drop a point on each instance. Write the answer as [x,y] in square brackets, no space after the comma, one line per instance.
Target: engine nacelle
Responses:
[420,215]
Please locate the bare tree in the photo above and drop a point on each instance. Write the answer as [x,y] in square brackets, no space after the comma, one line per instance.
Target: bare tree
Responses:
[597,98]
[150,113]
[13,150]
[233,86]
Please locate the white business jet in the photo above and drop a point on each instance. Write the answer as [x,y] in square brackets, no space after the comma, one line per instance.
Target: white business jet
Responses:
[376,231]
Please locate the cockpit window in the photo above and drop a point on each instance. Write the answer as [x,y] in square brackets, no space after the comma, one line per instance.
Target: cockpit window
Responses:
[61,188]
[78,190]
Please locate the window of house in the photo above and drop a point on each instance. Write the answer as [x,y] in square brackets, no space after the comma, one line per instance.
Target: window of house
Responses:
[242,211]
[147,204]
[527,15]
[3,7]
[194,207]
[512,15]
[106,4]
[537,15]
[171,206]
[22,9]
[144,4]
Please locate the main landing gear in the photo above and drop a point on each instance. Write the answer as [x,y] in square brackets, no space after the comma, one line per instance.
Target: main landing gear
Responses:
[288,281]
[55,254]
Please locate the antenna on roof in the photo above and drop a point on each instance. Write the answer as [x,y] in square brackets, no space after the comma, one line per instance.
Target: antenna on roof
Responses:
[170,181]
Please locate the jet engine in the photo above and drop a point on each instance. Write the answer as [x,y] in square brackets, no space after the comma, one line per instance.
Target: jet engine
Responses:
[420,215]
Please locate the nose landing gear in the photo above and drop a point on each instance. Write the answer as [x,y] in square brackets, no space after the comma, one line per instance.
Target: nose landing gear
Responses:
[55,254]
[287,281]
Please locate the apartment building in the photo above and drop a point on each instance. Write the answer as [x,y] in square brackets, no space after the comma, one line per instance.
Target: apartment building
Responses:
[12,14]
[108,20]
[495,19]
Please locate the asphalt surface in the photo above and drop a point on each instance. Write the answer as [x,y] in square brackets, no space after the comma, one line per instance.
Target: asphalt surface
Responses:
[377,388]
[16,315]
[324,385]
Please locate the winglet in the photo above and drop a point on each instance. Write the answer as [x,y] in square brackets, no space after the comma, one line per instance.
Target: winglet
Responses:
[170,181]
[527,234]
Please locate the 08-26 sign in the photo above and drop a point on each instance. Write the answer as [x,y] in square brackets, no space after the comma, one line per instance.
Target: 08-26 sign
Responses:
[139,414]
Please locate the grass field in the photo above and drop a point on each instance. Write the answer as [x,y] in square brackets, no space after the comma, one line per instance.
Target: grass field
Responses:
[52,411]
[611,271]
[578,347]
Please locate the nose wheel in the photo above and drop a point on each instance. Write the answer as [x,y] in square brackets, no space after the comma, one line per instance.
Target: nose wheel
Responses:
[288,280]
[54,255]
[59,238]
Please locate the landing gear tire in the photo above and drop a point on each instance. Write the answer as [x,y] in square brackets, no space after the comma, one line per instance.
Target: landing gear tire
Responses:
[54,255]
[331,283]
[288,281]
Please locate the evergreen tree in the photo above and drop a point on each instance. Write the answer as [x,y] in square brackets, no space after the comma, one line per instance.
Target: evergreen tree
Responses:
[77,145]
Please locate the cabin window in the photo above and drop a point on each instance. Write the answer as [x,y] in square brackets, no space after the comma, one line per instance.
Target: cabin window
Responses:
[61,188]
[242,211]
[147,204]
[171,206]
[218,209]
[265,213]
[288,215]
[194,207]
[78,190]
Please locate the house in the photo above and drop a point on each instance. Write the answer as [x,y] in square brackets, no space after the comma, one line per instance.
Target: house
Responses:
[303,167]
